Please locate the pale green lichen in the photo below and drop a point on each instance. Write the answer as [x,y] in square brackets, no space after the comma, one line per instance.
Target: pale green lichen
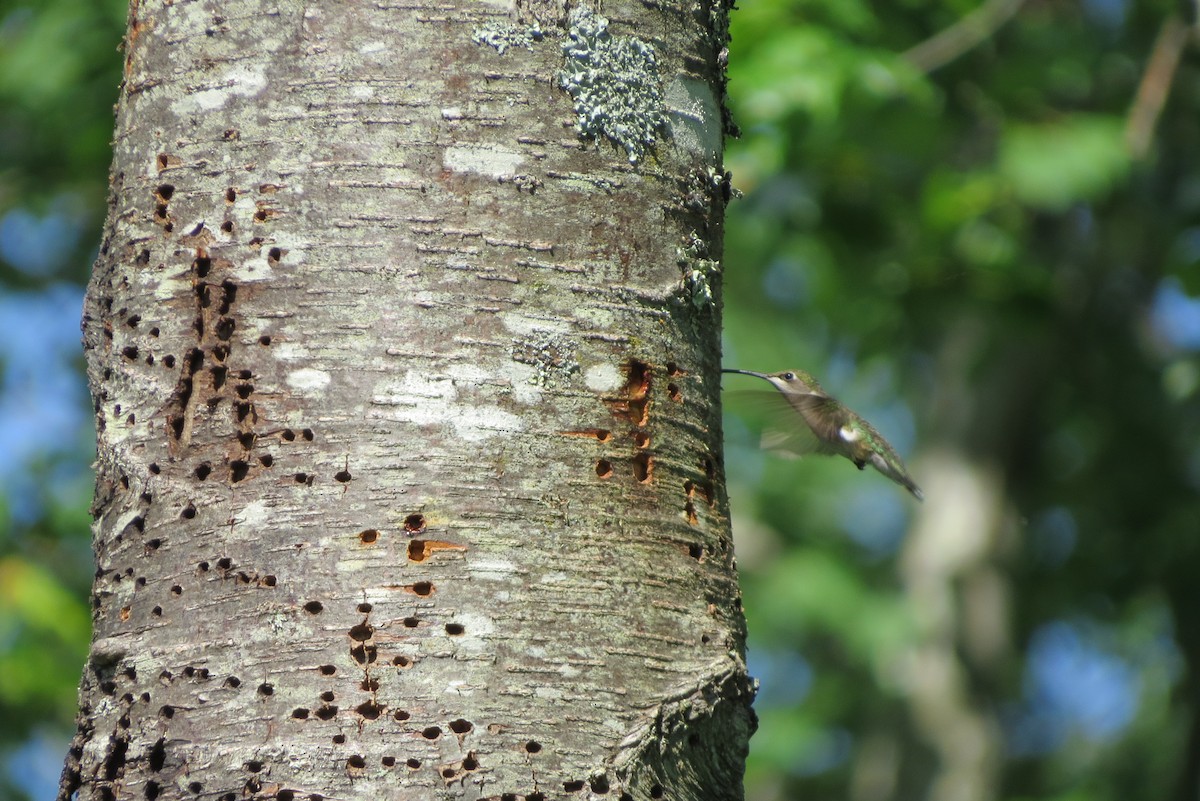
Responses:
[698,272]
[552,356]
[721,182]
[615,84]
[507,36]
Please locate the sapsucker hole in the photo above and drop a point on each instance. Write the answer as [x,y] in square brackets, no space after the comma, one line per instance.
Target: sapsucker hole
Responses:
[643,467]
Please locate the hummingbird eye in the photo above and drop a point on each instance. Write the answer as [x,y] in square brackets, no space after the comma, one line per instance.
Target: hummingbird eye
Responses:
[789,376]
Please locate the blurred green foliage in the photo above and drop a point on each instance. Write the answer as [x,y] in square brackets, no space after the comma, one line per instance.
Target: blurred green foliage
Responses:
[59,70]
[972,257]
[58,76]
[976,259]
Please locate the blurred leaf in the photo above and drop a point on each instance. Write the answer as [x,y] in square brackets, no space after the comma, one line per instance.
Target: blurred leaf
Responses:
[807,591]
[809,69]
[952,199]
[43,641]
[33,597]
[1052,166]
[786,738]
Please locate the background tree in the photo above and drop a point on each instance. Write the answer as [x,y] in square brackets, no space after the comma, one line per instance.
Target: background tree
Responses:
[408,451]
[987,250]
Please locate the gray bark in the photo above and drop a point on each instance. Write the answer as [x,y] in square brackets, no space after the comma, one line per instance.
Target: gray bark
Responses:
[403,341]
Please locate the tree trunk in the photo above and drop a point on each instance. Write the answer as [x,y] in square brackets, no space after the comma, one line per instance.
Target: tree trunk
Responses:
[403,341]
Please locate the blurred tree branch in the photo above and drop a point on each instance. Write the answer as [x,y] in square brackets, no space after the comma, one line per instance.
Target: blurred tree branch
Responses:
[950,43]
[1156,85]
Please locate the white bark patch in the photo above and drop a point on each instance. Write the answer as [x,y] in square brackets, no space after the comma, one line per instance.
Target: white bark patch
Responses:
[468,373]
[695,116]
[168,287]
[237,80]
[525,325]
[291,352]
[524,383]
[494,161]
[253,270]
[417,385]
[475,631]
[493,569]
[471,424]
[308,379]
[431,402]
[253,514]
[602,378]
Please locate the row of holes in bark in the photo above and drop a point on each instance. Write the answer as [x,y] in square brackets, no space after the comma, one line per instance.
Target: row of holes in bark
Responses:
[418,551]
[240,576]
[164,192]
[635,407]
[224,564]
[134,320]
[369,710]
[642,464]
[413,524]
[254,787]
[217,344]
[702,488]
[364,632]
[246,440]
[156,760]
[637,382]
[356,764]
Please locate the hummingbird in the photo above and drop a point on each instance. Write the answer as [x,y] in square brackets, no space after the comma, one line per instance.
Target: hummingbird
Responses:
[836,430]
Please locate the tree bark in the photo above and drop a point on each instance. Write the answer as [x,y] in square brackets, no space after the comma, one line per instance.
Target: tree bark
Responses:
[403,340]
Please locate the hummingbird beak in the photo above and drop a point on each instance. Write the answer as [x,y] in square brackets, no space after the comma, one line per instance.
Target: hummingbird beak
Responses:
[763,376]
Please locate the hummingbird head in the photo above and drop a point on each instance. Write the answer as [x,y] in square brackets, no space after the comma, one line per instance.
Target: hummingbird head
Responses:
[787,381]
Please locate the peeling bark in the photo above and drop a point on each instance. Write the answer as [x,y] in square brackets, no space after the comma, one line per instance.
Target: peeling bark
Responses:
[409,449]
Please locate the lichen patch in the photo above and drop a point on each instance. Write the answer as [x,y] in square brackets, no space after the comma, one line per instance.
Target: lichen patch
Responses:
[615,84]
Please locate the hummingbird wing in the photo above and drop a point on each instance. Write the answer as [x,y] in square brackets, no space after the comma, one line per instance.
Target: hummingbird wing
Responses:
[825,418]
[782,433]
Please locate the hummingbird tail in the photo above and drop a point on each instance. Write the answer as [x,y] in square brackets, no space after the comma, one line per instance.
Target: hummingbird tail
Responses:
[896,473]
